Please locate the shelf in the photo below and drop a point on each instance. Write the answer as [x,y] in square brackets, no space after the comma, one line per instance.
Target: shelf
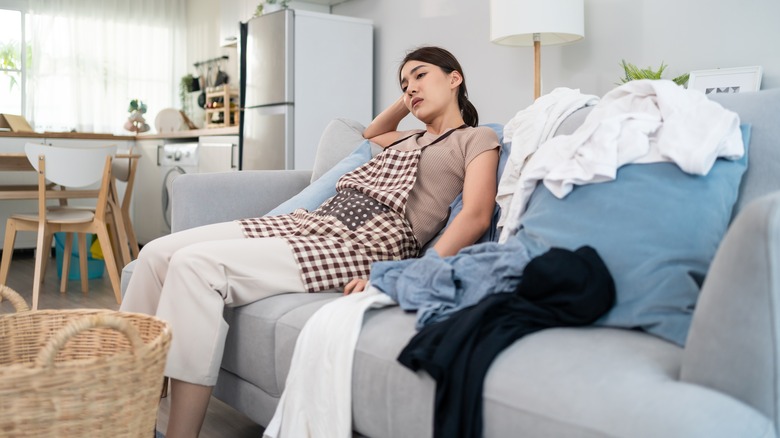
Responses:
[222,107]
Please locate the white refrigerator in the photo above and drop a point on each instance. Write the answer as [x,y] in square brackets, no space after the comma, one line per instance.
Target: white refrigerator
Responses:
[298,71]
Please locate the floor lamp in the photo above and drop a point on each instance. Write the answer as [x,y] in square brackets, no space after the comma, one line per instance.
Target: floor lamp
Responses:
[536,22]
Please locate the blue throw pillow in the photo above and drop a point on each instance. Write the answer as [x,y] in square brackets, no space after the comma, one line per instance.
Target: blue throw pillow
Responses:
[325,186]
[657,229]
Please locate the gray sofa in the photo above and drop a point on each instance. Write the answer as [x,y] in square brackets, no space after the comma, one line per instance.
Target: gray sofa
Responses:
[584,382]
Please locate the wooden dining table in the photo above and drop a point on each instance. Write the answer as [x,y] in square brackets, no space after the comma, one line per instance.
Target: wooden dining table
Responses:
[18,162]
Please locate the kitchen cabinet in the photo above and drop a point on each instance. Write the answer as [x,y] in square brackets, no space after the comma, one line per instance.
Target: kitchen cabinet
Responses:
[147,209]
[231,12]
[217,153]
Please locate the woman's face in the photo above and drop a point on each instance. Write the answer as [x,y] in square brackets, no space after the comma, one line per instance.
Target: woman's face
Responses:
[428,90]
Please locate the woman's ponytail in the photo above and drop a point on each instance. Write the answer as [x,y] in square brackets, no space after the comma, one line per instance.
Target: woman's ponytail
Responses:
[467,109]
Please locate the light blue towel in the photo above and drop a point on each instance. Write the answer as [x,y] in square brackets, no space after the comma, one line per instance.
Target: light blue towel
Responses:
[437,287]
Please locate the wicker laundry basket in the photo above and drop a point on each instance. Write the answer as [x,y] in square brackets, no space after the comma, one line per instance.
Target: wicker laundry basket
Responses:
[79,373]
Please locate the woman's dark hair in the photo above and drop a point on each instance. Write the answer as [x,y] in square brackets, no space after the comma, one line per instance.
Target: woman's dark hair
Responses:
[447,62]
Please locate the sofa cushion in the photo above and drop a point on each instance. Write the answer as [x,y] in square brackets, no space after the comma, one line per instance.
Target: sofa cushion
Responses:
[253,336]
[657,229]
[557,382]
[607,383]
[339,139]
[325,186]
[287,330]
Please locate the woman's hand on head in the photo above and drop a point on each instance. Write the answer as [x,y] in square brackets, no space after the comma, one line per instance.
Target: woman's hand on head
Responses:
[383,129]
[356,285]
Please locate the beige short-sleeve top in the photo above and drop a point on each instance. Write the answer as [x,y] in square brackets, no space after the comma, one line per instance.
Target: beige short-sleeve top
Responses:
[440,174]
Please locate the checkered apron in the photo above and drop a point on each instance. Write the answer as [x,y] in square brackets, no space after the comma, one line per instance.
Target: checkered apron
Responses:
[364,222]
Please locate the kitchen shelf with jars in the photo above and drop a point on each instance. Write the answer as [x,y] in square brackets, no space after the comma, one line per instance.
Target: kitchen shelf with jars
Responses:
[222,108]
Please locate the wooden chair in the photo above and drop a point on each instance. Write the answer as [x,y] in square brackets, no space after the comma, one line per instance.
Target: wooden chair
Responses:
[124,170]
[69,168]
[120,225]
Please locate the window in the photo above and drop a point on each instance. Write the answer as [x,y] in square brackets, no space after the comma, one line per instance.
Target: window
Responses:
[12,62]
[74,65]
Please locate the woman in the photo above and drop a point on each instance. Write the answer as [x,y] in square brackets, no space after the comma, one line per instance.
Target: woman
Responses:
[386,209]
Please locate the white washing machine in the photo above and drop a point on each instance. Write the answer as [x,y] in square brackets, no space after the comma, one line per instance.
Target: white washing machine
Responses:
[175,159]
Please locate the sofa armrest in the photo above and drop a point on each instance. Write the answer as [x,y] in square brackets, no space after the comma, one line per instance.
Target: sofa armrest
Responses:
[733,342]
[207,198]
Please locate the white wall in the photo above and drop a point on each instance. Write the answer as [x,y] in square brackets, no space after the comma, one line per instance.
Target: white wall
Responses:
[684,34]
[203,40]
[203,21]
[203,37]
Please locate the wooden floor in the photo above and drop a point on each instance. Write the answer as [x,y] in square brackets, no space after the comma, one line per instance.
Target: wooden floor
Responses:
[221,420]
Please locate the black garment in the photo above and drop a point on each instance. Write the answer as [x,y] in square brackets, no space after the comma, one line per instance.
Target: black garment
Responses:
[559,288]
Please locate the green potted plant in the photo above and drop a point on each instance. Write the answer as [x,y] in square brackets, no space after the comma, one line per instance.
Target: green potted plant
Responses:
[186,86]
[632,72]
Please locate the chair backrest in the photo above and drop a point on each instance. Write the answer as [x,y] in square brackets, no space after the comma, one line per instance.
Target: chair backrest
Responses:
[121,167]
[70,166]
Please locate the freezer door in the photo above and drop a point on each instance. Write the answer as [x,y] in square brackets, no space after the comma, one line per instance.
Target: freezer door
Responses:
[267,140]
[269,58]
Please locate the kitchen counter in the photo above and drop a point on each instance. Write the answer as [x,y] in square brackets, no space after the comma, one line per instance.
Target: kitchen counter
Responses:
[75,135]
[192,133]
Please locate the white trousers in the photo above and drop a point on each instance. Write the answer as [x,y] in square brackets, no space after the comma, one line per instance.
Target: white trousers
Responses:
[187,278]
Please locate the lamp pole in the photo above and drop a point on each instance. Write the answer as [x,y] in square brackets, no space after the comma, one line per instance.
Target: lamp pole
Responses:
[537,66]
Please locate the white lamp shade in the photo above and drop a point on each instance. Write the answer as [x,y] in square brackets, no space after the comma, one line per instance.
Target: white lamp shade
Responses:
[514,22]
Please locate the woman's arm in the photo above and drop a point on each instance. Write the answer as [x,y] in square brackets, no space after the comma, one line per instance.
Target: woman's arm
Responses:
[479,194]
[383,129]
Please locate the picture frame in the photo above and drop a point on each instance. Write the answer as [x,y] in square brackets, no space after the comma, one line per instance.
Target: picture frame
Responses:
[726,80]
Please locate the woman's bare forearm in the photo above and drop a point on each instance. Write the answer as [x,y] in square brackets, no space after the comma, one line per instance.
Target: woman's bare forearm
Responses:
[387,121]
[464,230]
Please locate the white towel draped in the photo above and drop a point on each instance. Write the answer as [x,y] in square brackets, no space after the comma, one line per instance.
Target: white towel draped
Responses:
[317,397]
[531,127]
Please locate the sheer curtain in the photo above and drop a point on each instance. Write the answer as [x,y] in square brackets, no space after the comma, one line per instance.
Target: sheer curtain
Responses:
[91,57]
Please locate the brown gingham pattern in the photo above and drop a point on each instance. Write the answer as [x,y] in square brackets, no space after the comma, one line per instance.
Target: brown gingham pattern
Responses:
[328,253]
[388,177]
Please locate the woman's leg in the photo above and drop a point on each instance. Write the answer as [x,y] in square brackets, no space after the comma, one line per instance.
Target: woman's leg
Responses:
[143,291]
[189,403]
[201,279]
